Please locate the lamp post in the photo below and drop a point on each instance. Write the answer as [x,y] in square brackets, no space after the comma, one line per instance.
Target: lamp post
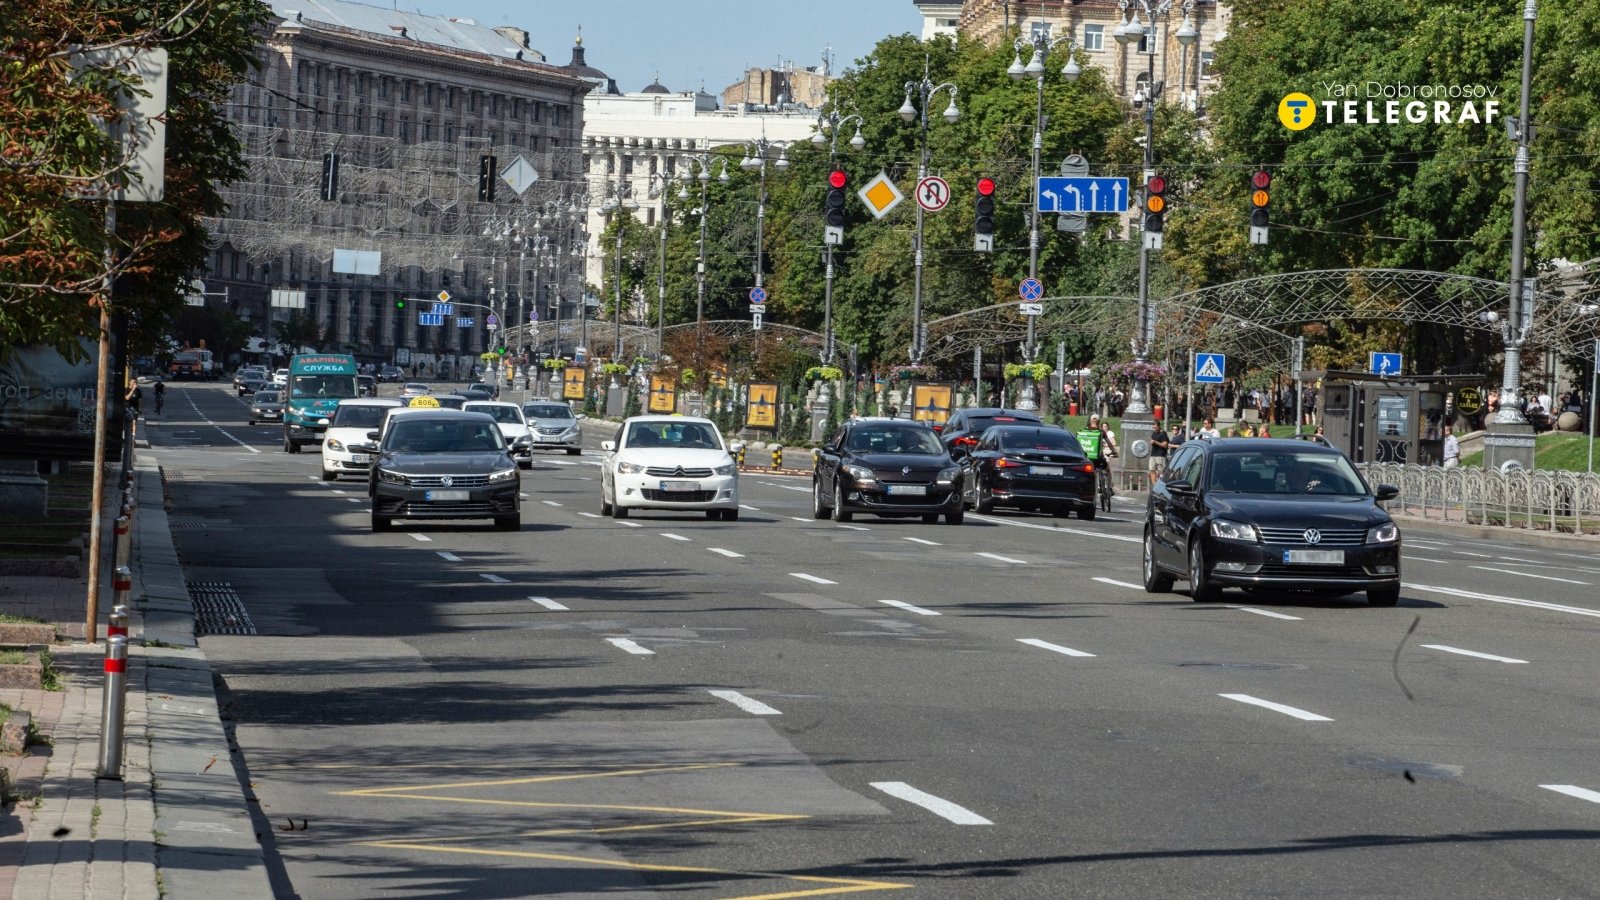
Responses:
[830,122]
[620,202]
[1035,69]
[755,159]
[925,90]
[661,265]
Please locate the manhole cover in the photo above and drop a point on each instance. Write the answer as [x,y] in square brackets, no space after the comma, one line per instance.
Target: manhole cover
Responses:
[218,609]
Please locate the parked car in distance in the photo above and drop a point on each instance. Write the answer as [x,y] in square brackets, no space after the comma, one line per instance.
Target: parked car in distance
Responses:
[965,426]
[266,406]
[1029,467]
[888,467]
[472,396]
[513,427]
[249,379]
[554,426]
[346,450]
[1269,515]
[444,464]
[414,389]
[669,463]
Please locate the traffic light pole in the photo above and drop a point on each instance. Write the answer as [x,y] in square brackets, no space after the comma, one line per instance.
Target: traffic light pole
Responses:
[926,90]
[835,122]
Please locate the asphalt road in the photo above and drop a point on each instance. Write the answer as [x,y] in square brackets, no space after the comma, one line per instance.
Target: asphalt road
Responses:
[784,707]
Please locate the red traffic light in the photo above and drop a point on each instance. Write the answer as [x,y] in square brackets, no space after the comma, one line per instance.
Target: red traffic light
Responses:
[985,187]
[1156,184]
[837,178]
[1261,180]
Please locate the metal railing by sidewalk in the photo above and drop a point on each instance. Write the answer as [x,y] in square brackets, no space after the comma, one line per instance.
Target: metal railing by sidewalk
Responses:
[1539,499]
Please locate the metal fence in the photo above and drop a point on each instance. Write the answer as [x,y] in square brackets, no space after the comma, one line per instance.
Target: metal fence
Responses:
[1548,500]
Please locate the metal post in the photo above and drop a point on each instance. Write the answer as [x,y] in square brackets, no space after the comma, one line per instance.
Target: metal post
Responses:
[700,269]
[1594,382]
[101,407]
[123,541]
[1139,402]
[113,708]
[121,585]
[916,244]
[616,314]
[1188,400]
[977,376]
[661,291]
[117,623]
[1028,349]
[1299,392]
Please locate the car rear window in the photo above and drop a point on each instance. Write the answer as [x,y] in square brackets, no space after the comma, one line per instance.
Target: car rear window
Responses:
[506,415]
[1039,439]
[980,424]
[268,396]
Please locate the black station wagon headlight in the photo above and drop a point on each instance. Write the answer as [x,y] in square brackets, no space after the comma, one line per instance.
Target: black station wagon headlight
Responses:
[388,477]
[502,475]
[1233,531]
[1387,533]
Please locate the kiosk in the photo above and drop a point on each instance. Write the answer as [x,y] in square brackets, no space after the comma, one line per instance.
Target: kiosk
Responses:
[1375,419]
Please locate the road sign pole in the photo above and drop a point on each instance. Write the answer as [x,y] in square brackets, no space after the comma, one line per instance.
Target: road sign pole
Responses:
[1188,402]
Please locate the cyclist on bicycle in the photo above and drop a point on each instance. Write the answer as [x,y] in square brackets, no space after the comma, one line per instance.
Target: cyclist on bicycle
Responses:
[161,396]
[1098,444]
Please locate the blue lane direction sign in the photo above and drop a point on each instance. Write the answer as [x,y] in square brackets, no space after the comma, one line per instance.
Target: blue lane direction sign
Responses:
[1030,289]
[1082,195]
[1210,368]
[1384,363]
[444,309]
[758,295]
[430,319]
[464,322]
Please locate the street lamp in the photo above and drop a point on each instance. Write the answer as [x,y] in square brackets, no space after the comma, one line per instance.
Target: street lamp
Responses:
[925,90]
[755,159]
[621,201]
[1035,69]
[665,182]
[830,122]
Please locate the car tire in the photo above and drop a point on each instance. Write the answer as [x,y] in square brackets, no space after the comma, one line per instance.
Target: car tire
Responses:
[930,518]
[956,516]
[381,523]
[329,476]
[252,421]
[1201,589]
[985,502]
[1087,513]
[605,508]
[839,513]
[714,514]
[508,523]
[818,509]
[1061,512]
[1155,580]
[574,451]
[1384,596]
[618,511]
[730,515]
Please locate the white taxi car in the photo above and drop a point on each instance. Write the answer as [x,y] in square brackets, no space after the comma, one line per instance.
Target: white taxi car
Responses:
[513,427]
[669,463]
[344,445]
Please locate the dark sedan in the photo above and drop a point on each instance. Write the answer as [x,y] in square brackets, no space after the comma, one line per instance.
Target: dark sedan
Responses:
[444,464]
[887,467]
[965,426]
[266,406]
[1269,515]
[1029,468]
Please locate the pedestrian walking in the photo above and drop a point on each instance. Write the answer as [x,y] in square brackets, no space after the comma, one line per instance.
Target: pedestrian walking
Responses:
[1452,448]
[1160,445]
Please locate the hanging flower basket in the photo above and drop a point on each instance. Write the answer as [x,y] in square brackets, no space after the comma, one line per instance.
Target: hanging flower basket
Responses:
[1037,371]
[1133,370]
[554,364]
[824,373]
[612,368]
[903,374]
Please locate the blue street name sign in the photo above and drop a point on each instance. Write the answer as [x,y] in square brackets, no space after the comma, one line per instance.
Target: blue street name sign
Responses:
[1209,368]
[1384,363]
[1083,195]
[1030,289]
[430,319]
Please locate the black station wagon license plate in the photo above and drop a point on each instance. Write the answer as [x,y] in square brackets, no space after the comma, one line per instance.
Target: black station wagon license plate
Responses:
[1314,557]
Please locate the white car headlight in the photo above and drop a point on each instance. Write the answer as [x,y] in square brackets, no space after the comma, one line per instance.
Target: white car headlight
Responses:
[333,444]
[728,469]
[1387,533]
[503,475]
[627,468]
[1233,531]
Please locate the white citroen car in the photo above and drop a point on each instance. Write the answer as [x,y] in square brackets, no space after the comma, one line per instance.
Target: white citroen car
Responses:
[513,426]
[343,446]
[669,463]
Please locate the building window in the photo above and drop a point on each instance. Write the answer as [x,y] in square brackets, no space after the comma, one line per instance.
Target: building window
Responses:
[405,130]
[449,98]
[494,138]
[405,91]
[382,126]
[449,134]
[1147,42]
[1037,30]
[430,95]
[1207,60]
[427,131]
[472,101]
[538,111]
[1094,37]
[383,87]
[494,105]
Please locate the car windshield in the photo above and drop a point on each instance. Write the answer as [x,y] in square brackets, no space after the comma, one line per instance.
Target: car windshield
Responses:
[895,440]
[1285,472]
[267,397]
[505,415]
[324,386]
[450,436]
[414,386]
[547,411]
[1039,439]
[686,435]
[363,416]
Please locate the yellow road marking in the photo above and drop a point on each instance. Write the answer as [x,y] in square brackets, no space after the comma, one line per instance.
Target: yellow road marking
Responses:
[535,779]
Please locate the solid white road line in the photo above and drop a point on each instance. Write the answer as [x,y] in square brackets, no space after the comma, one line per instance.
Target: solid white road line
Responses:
[1277,707]
[751,508]
[590,515]
[1513,601]
[728,553]
[1046,645]
[1127,539]
[855,527]
[352,500]
[1267,612]
[547,603]
[421,537]
[551,503]
[1488,656]
[909,608]
[676,537]
[447,556]
[812,578]
[1113,581]
[801,519]
[1478,555]
[917,540]
[496,579]
[960,815]
[631,524]
[1572,790]
[753,707]
[1004,559]
[630,646]
[225,432]
[1530,575]
[337,491]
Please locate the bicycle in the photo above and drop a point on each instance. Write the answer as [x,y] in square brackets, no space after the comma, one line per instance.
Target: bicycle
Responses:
[161,400]
[1103,484]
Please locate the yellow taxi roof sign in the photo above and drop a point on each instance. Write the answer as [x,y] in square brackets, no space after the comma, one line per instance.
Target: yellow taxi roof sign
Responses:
[424,402]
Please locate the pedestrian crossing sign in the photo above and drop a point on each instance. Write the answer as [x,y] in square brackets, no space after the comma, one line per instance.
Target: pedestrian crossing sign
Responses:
[1209,367]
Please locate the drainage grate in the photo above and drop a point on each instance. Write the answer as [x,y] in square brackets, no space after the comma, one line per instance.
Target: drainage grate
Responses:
[218,609]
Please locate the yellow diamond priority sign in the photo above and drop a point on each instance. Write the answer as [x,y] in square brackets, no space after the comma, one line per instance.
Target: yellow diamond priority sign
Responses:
[880,195]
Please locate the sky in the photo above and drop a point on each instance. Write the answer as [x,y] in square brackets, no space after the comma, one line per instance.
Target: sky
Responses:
[691,41]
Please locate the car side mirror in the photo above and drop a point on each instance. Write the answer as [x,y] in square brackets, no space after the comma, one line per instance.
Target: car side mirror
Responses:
[1180,488]
[1386,492]
[736,447]
[582,416]
[323,421]
[608,446]
[373,436]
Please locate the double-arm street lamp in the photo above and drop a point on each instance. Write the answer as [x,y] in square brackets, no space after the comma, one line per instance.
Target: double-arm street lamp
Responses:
[924,90]
[829,124]
[659,183]
[621,201]
[703,176]
[1035,69]
[755,159]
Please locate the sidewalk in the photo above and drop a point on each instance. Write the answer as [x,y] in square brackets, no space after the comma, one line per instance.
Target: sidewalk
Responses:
[177,825]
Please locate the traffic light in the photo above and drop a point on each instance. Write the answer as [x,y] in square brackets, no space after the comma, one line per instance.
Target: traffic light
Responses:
[833,208]
[487,170]
[1260,202]
[983,217]
[329,188]
[399,304]
[1155,203]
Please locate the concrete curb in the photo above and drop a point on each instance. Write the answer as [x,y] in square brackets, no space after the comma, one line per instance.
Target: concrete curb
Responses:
[1553,540]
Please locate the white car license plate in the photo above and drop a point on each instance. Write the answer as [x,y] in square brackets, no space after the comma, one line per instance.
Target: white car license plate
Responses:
[548,437]
[1046,470]
[910,490]
[361,457]
[1314,557]
[674,486]
[441,496]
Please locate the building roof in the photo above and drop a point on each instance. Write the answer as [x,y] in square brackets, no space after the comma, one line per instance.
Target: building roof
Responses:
[444,31]
[655,87]
[579,67]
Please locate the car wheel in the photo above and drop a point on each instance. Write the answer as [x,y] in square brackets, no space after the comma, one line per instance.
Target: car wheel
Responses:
[985,504]
[252,421]
[508,523]
[930,518]
[381,523]
[1061,512]
[1201,590]
[329,476]
[713,514]
[839,513]
[1155,580]
[1384,596]
[956,516]
[618,511]
[1086,513]
[605,507]
[574,451]
[819,510]
[730,515]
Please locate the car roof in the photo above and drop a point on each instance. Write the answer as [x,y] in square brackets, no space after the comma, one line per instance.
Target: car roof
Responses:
[1241,444]
[1027,426]
[998,411]
[660,418]
[439,413]
[370,401]
[477,403]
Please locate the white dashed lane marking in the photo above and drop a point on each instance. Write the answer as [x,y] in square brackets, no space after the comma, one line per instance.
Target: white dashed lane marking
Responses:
[675,537]
[590,515]
[1113,581]
[495,579]
[939,806]
[547,603]
[630,646]
[925,542]
[1473,653]
[421,537]
[812,578]
[1277,707]
[1004,559]
[447,556]
[1512,601]
[1055,648]
[1266,612]
[550,503]
[855,528]
[1531,575]
[1572,790]
[909,608]
[751,706]
[728,553]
